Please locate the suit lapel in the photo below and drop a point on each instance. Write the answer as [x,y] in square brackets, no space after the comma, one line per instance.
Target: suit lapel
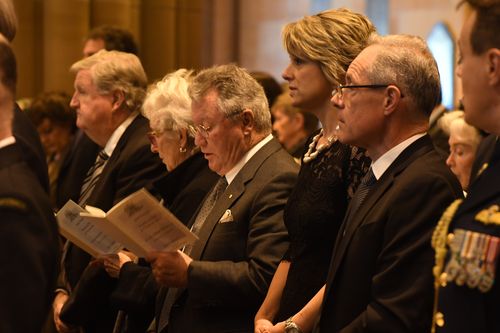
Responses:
[230,195]
[354,219]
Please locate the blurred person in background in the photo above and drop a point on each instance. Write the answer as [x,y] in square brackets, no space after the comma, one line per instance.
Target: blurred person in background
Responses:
[55,121]
[292,127]
[463,140]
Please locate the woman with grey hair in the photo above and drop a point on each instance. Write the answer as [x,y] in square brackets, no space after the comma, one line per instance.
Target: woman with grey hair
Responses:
[168,108]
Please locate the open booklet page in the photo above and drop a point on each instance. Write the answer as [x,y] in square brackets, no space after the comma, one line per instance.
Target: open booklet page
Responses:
[83,233]
[141,224]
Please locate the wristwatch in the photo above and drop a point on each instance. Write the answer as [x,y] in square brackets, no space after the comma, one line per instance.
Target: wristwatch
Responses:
[291,327]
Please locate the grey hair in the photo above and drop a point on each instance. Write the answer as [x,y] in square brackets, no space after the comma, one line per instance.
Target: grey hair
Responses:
[407,62]
[114,70]
[237,90]
[168,104]
[8,19]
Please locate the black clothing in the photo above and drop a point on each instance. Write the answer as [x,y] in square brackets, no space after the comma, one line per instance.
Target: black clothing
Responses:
[29,244]
[313,215]
[28,140]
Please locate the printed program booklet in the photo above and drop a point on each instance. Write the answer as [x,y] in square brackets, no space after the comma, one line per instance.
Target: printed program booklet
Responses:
[138,223]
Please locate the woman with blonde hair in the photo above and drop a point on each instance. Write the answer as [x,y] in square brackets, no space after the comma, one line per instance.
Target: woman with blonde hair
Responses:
[321,47]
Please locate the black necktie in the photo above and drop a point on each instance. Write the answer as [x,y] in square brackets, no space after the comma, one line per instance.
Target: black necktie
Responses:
[366,184]
[92,177]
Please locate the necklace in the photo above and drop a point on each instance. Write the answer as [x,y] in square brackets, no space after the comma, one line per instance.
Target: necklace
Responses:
[311,155]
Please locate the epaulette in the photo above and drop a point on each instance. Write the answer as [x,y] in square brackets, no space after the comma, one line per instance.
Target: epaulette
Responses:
[13,203]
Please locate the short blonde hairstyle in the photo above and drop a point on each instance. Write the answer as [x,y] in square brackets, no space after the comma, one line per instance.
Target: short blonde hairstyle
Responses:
[168,104]
[114,70]
[332,38]
[237,90]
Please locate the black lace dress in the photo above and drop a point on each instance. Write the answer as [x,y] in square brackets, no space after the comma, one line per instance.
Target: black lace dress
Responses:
[313,216]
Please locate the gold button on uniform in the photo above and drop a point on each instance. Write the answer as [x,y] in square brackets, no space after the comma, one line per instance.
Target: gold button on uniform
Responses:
[439,318]
[450,238]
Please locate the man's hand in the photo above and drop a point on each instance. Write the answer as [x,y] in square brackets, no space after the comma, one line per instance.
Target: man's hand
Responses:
[170,268]
[114,262]
[262,326]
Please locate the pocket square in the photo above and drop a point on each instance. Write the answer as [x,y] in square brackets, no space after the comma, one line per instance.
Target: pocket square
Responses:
[227,217]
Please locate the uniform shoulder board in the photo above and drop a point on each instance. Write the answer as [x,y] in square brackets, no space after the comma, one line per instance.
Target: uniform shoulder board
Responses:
[489,215]
[13,203]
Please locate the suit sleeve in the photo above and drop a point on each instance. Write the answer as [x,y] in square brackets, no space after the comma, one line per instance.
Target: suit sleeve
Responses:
[26,261]
[402,280]
[231,283]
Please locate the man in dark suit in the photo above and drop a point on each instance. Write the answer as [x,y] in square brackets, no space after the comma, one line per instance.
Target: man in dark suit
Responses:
[83,150]
[28,230]
[379,278]
[25,133]
[109,90]
[467,239]
[218,284]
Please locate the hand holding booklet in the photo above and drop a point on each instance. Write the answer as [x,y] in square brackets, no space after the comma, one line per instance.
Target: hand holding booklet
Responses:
[139,223]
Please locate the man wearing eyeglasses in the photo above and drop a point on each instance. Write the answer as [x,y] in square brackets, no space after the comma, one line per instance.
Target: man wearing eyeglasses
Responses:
[379,278]
[221,281]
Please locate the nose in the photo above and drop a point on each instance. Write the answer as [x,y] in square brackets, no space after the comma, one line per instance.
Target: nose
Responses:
[450,161]
[199,140]
[154,148]
[459,70]
[287,73]
[336,100]
[74,101]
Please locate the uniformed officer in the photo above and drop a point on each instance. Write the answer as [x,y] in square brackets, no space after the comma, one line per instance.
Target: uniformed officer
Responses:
[467,238]
[28,230]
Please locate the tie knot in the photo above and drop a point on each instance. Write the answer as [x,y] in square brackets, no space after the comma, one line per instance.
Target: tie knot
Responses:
[220,186]
[102,155]
[369,179]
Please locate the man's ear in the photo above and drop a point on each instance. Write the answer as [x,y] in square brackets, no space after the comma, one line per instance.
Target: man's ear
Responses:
[493,58]
[247,119]
[118,99]
[392,99]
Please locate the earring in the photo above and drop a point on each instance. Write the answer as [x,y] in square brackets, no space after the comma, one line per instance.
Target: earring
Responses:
[182,149]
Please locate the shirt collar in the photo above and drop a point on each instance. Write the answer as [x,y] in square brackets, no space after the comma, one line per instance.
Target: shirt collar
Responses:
[7,141]
[117,134]
[385,161]
[231,174]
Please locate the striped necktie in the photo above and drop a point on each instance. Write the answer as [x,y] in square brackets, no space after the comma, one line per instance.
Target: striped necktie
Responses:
[366,184]
[92,177]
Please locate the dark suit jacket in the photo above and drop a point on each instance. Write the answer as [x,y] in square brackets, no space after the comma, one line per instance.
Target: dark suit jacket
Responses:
[28,140]
[131,167]
[380,277]
[74,167]
[29,245]
[467,309]
[234,261]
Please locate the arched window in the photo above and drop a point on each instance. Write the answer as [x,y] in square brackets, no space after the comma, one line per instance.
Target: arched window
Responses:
[442,45]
